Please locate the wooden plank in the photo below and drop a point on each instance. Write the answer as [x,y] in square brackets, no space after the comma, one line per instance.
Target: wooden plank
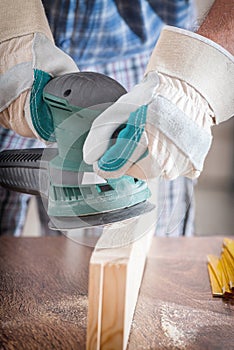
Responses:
[95,294]
[115,275]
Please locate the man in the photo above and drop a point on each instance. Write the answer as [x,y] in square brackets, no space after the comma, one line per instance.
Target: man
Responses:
[117,38]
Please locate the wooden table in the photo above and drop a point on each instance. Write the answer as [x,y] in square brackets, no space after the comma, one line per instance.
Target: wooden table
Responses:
[43,296]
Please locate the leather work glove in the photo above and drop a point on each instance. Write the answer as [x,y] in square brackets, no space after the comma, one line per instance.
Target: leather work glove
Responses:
[187,88]
[29,59]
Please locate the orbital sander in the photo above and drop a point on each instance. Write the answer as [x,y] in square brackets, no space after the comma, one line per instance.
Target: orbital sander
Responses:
[73,195]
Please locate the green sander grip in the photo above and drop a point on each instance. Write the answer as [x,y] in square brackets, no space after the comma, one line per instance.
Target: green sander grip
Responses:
[75,100]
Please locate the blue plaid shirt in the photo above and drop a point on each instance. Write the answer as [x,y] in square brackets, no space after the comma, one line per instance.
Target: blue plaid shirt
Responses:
[114,37]
[101,31]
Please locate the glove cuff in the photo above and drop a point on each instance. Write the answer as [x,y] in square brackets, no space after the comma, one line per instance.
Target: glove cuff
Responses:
[201,63]
[20,18]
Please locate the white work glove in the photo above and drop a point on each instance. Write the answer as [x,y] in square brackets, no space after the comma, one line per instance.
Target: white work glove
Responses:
[28,60]
[187,88]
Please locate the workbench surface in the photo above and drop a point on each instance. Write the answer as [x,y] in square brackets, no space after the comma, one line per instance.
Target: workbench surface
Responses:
[43,296]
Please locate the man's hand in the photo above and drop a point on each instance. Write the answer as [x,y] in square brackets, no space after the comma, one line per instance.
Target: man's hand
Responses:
[29,59]
[187,88]
[167,132]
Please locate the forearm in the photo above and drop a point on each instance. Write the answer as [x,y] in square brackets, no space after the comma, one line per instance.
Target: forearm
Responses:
[219,23]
